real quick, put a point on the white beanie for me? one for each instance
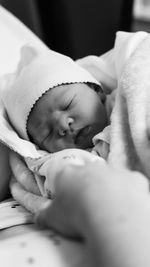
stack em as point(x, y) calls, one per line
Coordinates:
point(37, 72)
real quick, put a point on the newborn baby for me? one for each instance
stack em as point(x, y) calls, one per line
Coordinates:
point(54, 102)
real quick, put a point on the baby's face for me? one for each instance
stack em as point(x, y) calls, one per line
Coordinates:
point(67, 116)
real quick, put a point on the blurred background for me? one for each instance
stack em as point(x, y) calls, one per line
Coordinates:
point(81, 27)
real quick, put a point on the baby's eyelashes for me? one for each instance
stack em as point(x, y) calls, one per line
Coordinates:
point(69, 103)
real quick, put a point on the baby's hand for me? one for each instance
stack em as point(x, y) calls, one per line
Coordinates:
point(101, 149)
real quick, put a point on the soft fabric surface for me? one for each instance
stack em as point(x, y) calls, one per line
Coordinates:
point(130, 120)
point(126, 68)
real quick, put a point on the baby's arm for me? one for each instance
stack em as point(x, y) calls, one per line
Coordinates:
point(4, 171)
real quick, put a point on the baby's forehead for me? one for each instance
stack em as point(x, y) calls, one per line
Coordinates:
point(51, 96)
point(59, 94)
point(49, 101)
point(54, 94)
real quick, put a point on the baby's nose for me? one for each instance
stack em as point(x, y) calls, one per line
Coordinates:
point(62, 132)
point(64, 127)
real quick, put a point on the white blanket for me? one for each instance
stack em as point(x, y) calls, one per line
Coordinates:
point(126, 68)
point(130, 120)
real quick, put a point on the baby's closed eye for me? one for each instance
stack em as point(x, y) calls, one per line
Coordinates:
point(69, 103)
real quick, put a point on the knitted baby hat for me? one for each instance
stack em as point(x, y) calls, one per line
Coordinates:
point(37, 72)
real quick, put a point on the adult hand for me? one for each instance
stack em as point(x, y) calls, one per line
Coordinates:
point(23, 185)
point(109, 209)
point(24, 188)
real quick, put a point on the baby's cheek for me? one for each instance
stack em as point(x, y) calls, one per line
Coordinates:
point(60, 144)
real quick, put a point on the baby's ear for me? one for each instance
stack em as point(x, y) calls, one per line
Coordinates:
point(28, 54)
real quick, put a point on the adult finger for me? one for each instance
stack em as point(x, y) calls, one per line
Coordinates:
point(53, 215)
point(30, 201)
point(22, 174)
